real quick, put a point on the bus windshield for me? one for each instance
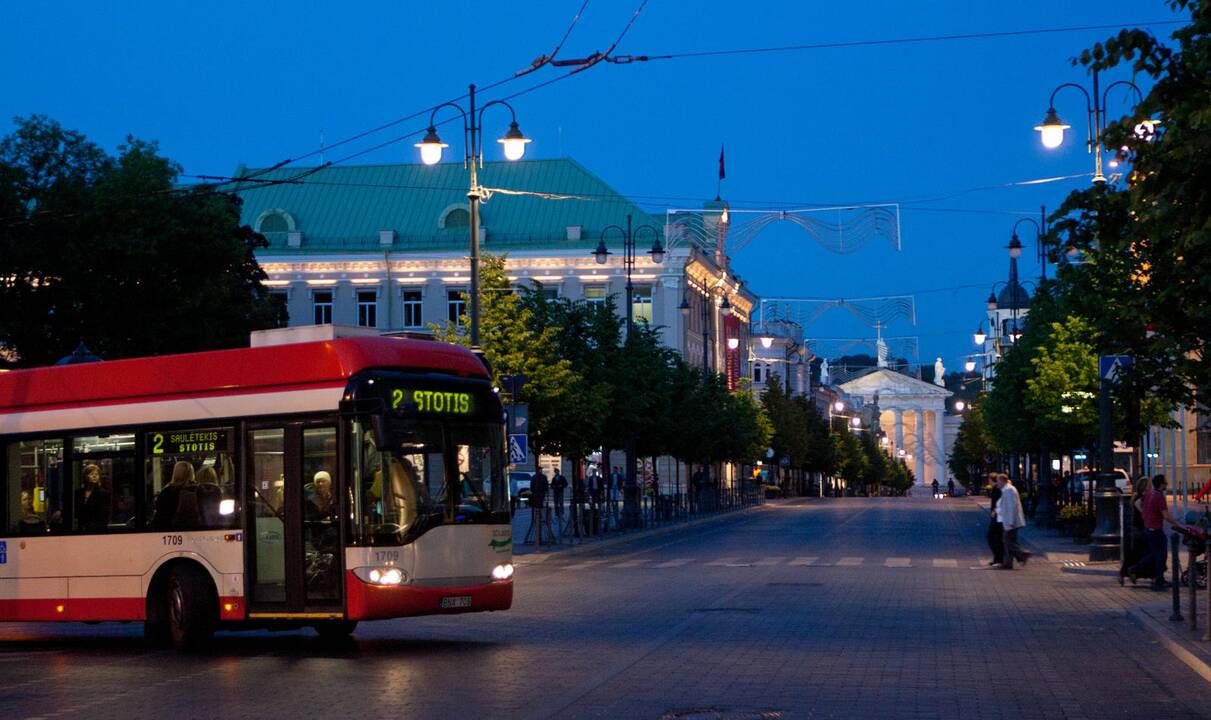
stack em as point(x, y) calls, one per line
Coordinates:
point(428, 473)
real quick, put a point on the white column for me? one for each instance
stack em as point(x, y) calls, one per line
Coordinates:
point(920, 451)
point(899, 429)
point(939, 431)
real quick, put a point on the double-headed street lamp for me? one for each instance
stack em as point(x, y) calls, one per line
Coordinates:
point(1040, 230)
point(514, 144)
point(630, 489)
point(1051, 130)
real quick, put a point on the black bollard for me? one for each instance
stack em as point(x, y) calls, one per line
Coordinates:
point(1174, 541)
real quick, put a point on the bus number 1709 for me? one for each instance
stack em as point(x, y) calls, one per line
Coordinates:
point(174, 540)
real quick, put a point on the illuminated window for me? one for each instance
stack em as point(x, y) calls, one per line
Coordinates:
point(322, 303)
point(367, 308)
point(641, 305)
point(595, 294)
point(412, 309)
point(456, 305)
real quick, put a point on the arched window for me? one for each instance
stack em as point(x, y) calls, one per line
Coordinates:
point(275, 221)
point(454, 216)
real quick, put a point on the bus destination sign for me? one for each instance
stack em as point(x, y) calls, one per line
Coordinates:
point(432, 402)
point(180, 442)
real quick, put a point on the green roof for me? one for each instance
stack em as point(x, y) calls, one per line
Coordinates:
point(343, 208)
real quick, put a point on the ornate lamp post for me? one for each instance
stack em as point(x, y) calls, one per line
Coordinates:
point(514, 144)
point(1051, 130)
point(630, 490)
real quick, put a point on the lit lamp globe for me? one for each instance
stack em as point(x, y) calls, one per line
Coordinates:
point(602, 253)
point(725, 307)
point(767, 342)
point(960, 406)
point(1051, 131)
point(857, 422)
point(969, 366)
point(514, 142)
point(733, 343)
point(431, 147)
point(657, 252)
point(979, 336)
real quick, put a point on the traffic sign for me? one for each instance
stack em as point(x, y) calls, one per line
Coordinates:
point(1109, 366)
point(519, 449)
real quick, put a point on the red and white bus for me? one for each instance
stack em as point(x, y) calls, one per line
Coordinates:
point(317, 483)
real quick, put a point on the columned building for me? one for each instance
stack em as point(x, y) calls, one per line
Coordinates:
point(386, 247)
point(912, 414)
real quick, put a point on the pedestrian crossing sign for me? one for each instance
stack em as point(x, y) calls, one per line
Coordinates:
point(519, 449)
point(1109, 366)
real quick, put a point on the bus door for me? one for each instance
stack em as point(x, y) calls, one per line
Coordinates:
point(294, 557)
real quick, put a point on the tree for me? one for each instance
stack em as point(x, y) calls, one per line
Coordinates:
point(971, 449)
point(1061, 394)
point(110, 250)
point(1169, 235)
point(513, 347)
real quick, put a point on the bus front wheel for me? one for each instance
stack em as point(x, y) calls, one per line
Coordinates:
point(189, 608)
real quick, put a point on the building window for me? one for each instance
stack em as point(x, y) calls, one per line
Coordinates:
point(322, 302)
point(367, 308)
point(279, 299)
point(641, 305)
point(757, 372)
point(595, 294)
point(412, 303)
point(456, 305)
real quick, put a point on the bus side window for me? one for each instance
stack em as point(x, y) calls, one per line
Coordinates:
point(33, 487)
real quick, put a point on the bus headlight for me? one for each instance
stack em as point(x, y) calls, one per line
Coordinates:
point(502, 572)
point(380, 575)
point(227, 507)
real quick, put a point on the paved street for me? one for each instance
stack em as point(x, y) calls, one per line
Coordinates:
point(820, 608)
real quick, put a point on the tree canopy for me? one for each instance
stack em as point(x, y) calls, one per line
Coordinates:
point(112, 251)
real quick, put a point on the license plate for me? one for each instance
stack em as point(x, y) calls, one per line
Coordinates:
point(456, 601)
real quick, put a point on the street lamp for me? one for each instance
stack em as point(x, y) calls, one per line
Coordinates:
point(514, 144)
point(725, 309)
point(630, 489)
point(960, 406)
point(979, 335)
point(1051, 130)
point(1040, 230)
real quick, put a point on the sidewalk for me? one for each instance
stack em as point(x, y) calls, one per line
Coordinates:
point(1150, 611)
point(573, 545)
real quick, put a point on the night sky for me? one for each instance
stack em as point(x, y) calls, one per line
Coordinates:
point(943, 128)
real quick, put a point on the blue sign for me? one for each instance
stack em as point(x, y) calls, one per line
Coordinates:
point(1109, 366)
point(3, 552)
point(519, 449)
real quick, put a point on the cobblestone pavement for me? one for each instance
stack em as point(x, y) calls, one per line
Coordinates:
point(855, 608)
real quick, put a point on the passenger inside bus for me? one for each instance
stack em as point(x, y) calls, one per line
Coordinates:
point(168, 502)
point(209, 497)
point(397, 503)
point(92, 500)
point(31, 523)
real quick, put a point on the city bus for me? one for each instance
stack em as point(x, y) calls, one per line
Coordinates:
point(300, 484)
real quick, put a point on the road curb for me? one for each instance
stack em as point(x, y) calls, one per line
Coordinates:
point(1161, 632)
point(641, 534)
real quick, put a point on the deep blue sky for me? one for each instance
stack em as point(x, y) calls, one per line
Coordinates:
point(222, 83)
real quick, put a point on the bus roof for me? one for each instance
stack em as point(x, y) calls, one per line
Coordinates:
point(219, 372)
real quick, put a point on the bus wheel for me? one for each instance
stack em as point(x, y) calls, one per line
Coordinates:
point(335, 629)
point(191, 607)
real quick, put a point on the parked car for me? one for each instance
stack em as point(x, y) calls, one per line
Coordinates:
point(1080, 483)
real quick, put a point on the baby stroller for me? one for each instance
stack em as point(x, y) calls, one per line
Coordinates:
point(1194, 536)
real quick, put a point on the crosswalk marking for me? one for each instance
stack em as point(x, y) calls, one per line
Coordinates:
point(724, 561)
point(630, 563)
point(850, 561)
point(766, 562)
point(897, 562)
point(945, 562)
point(584, 565)
point(675, 563)
point(810, 560)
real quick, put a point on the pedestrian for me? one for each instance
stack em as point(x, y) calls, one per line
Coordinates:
point(1155, 512)
point(559, 483)
point(950, 488)
point(616, 481)
point(1137, 545)
point(1009, 512)
point(996, 532)
point(936, 490)
point(538, 489)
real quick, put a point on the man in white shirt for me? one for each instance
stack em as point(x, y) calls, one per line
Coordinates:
point(1009, 512)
